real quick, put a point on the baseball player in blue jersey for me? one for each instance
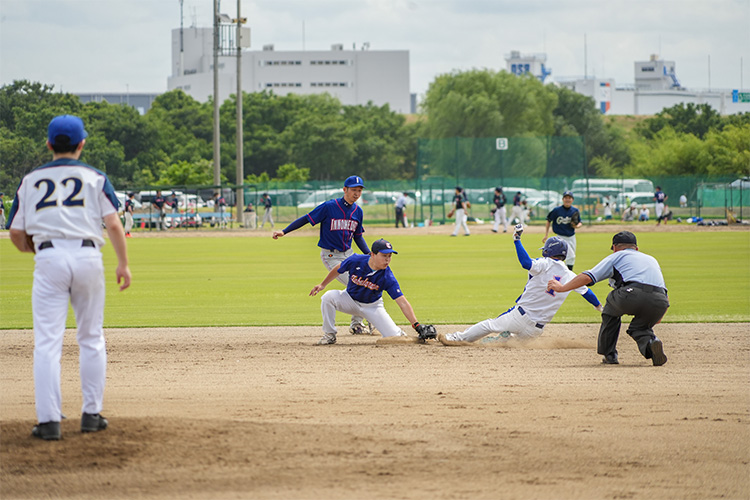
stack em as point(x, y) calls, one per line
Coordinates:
point(564, 220)
point(340, 223)
point(639, 290)
point(57, 214)
point(536, 306)
point(659, 198)
point(461, 205)
point(369, 277)
point(129, 209)
point(158, 203)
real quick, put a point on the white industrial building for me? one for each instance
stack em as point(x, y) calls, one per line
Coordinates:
point(355, 77)
point(656, 87)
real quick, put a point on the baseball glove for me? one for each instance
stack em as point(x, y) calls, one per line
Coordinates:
point(450, 214)
point(575, 219)
point(426, 332)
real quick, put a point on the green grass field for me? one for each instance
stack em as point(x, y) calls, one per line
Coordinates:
point(240, 281)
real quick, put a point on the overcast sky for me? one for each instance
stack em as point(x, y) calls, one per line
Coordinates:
point(125, 45)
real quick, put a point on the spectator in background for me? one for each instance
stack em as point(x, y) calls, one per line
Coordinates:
point(400, 205)
point(129, 208)
point(644, 214)
point(158, 203)
point(630, 213)
point(607, 212)
point(2, 211)
point(249, 217)
point(267, 214)
point(683, 200)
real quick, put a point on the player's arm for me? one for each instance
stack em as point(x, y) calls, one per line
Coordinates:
point(332, 274)
point(408, 311)
point(362, 244)
point(546, 230)
point(296, 224)
point(21, 240)
point(577, 282)
point(523, 256)
point(117, 238)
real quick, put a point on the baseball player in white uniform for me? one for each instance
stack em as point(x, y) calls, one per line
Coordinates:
point(57, 214)
point(536, 306)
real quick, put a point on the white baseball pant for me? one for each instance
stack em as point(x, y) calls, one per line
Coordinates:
point(65, 272)
point(128, 222)
point(331, 258)
point(518, 213)
point(461, 218)
point(267, 217)
point(570, 258)
point(500, 219)
point(659, 209)
point(510, 321)
point(375, 313)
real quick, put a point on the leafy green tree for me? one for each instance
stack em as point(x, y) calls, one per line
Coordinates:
point(690, 118)
point(290, 173)
point(184, 173)
point(486, 103)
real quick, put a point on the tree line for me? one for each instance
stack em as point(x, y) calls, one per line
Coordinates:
point(301, 137)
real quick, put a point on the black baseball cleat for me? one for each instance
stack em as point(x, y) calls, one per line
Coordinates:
point(49, 431)
point(610, 359)
point(657, 352)
point(93, 422)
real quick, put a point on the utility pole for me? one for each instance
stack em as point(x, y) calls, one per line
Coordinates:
point(217, 137)
point(240, 195)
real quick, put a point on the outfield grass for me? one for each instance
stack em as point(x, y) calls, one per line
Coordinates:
point(258, 281)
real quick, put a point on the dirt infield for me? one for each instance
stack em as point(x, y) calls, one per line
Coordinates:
point(263, 413)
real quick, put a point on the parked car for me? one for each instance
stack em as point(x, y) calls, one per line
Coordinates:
point(317, 197)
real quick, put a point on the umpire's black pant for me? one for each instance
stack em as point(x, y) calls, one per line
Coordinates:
point(647, 304)
point(400, 216)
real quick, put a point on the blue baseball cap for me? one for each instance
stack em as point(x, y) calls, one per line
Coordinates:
point(353, 181)
point(67, 125)
point(568, 193)
point(382, 246)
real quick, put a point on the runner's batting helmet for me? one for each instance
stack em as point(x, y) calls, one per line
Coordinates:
point(555, 247)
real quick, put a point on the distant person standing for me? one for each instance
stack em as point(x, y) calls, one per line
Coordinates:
point(2, 211)
point(659, 198)
point(460, 205)
point(268, 213)
point(639, 291)
point(665, 216)
point(683, 200)
point(607, 212)
point(499, 211)
point(129, 209)
point(400, 206)
point(57, 214)
point(517, 213)
point(564, 220)
point(158, 203)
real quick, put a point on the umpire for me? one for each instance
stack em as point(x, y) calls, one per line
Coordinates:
point(639, 290)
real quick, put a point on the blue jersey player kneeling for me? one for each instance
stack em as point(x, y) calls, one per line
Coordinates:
point(536, 306)
point(369, 276)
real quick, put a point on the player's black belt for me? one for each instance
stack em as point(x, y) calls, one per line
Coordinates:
point(646, 288)
point(520, 309)
point(48, 244)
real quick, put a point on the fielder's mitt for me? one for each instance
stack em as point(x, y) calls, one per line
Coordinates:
point(426, 332)
point(575, 219)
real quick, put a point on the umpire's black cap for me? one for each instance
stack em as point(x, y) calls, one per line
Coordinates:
point(623, 237)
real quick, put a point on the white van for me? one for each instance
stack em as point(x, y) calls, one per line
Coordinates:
point(611, 187)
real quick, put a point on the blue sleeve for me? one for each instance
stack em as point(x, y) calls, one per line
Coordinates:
point(591, 298)
point(523, 257)
point(296, 224)
point(362, 244)
point(318, 214)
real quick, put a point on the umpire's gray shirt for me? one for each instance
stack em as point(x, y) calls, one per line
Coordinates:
point(628, 265)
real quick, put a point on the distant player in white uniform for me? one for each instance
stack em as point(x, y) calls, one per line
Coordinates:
point(368, 277)
point(57, 213)
point(536, 306)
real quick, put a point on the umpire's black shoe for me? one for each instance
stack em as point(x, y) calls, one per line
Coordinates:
point(49, 431)
point(93, 422)
point(610, 359)
point(657, 352)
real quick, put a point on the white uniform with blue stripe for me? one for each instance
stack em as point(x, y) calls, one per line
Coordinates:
point(62, 204)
